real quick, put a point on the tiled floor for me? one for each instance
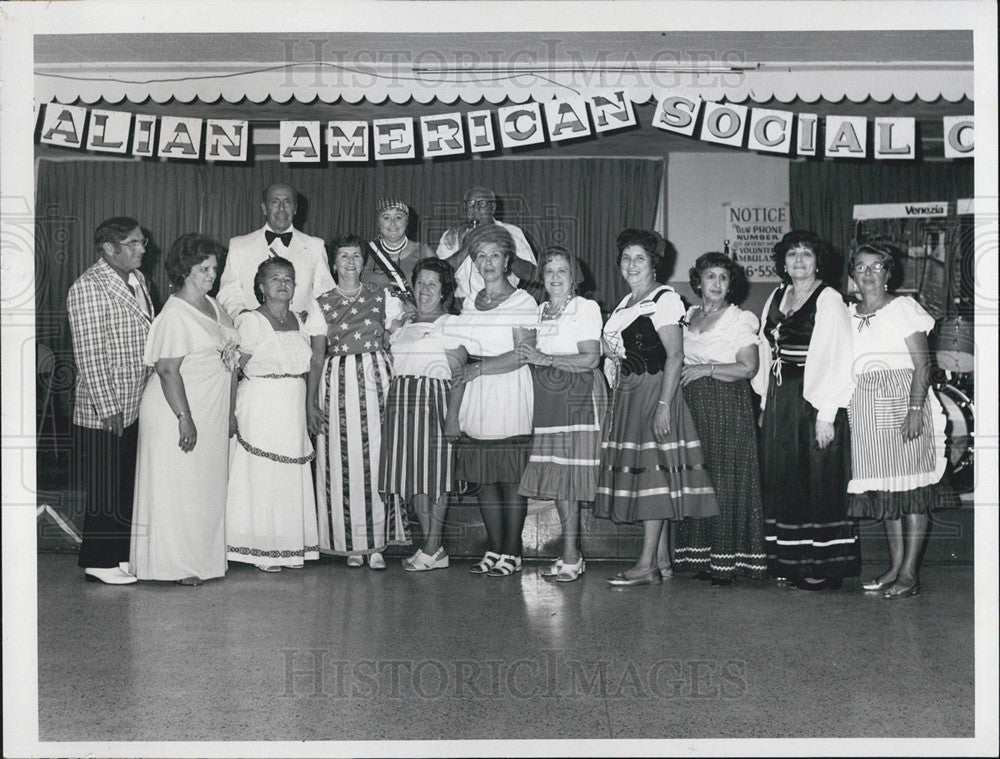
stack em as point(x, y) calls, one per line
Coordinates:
point(329, 653)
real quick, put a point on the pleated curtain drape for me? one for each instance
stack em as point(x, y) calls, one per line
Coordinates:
point(580, 204)
point(823, 193)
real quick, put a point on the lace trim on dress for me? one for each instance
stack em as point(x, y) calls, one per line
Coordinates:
point(274, 456)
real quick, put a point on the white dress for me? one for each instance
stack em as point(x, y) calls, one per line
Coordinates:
point(271, 505)
point(178, 524)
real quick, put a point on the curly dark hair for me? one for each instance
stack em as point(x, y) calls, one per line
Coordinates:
point(825, 255)
point(713, 259)
point(889, 255)
point(648, 241)
point(349, 240)
point(485, 234)
point(445, 275)
point(274, 262)
point(187, 252)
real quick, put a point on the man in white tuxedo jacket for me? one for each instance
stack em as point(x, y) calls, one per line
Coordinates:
point(277, 238)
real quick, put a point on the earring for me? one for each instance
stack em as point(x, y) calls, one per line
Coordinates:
point(886, 287)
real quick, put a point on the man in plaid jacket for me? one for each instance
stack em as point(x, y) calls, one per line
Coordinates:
point(110, 312)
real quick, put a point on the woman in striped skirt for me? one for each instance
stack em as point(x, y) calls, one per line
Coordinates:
point(346, 393)
point(652, 470)
point(804, 381)
point(897, 424)
point(570, 400)
point(720, 356)
point(415, 464)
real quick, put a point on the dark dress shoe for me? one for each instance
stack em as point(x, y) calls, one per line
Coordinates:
point(720, 582)
point(705, 576)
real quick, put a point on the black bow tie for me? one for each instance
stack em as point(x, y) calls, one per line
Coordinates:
point(286, 237)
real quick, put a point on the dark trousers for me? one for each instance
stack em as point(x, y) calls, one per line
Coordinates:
point(104, 469)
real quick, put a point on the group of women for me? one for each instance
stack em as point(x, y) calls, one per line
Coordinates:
point(330, 442)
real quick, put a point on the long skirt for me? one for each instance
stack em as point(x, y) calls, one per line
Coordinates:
point(806, 527)
point(353, 516)
point(565, 454)
point(733, 543)
point(641, 478)
point(891, 476)
point(415, 457)
point(270, 504)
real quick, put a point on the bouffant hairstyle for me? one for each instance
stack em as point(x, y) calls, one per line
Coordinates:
point(349, 240)
point(649, 242)
point(714, 259)
point(805, 239)
point(188, 251)
point(445, 275)
point(113, 230)
point(485, 234)
point(274, 262)
point(888, 255)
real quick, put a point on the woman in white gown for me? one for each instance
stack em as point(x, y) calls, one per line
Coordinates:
point(271, 506)
point(178, 530)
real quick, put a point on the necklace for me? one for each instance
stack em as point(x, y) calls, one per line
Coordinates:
point(795, 301)
point(487, 298)
point(352, 294)
point(282, 320)
point(637, 299)
point(708, 311)
point(554, 312)
point(390, 250)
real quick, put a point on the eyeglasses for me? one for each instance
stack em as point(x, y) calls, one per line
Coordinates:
point(875, 268)
point(135, 243)
point(480, 203)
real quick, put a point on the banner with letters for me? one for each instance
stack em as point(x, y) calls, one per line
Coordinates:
point(482, 131)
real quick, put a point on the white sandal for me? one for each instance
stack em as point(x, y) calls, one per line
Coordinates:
point(506, 566)
point(553, 569)
point(485, 564)
point(570, 572)
point(424, 562)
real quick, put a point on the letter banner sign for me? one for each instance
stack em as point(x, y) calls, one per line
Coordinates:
point(900, 210)
point(752, 230)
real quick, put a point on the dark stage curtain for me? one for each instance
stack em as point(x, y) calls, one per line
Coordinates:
point(823, 193)
point(580, 204)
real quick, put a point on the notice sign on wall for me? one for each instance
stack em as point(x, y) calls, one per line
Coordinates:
point(751, 233)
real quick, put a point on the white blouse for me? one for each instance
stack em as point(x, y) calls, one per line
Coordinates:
point(826, 383)
point(418, 349)
point(272, 351)
point(580, 322)
point(880, 338)
point(735, 329)
point(496, 405)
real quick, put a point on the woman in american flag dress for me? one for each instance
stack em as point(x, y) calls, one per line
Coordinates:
point(348, 382)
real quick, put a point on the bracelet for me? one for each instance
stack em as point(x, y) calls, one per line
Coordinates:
point(663, 403)
point(711, 370)
point(182, 414)
point(916, 408)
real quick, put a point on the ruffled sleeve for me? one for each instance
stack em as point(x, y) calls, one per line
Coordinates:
point(826, 383)
point(910, 317)
point(669, 310)
point(250, 325)
point(745, 331)
point(171, 335)
point(763, 376)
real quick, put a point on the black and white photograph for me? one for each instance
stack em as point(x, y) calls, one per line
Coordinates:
point(499, 378)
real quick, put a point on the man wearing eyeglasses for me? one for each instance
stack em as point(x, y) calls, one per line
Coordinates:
point(480, 205)
point(109, 316)
point(277, 238)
